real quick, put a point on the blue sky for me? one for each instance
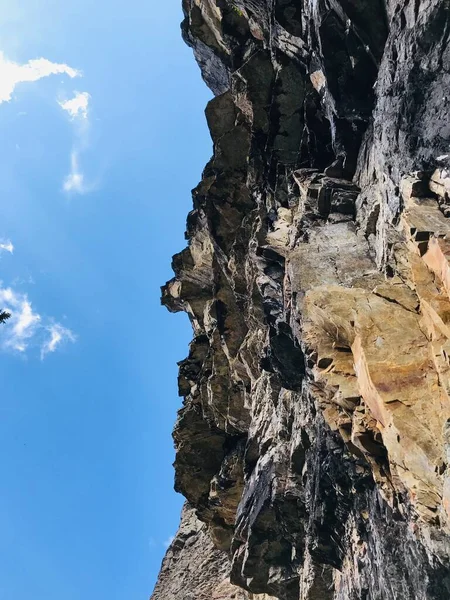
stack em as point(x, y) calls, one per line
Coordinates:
point(88, 361)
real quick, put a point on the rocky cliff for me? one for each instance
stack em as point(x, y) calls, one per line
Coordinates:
point(313, 444)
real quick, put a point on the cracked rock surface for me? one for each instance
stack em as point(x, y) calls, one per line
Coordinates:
point(313, 445)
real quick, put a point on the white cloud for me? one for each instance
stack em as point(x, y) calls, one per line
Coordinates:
point(77, 107)
point(12, 73)
point(27, 328)
point(23, 323)
point(26, 321)
point(7, 246)
point(58, 335)
point(74, 182)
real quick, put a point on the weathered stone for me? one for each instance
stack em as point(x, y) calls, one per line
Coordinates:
point(194, 569)
point(314, 438)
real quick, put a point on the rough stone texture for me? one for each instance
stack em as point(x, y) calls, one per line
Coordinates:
point(314, 438)
point(193, 569)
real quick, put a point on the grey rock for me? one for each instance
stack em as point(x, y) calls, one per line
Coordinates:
point(312, 444)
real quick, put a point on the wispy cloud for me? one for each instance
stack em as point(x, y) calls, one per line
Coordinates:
point(12, 73)
point(23, 323)
point(6, 246)
point(58, 335)
point(78, 110)
point(74, 182)
point(77, 106)
point(27, 328)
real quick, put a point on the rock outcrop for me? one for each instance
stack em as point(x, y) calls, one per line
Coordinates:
point(193, 569)
point(313, 444)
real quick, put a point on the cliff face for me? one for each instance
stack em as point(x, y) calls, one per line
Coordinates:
point(314, 439)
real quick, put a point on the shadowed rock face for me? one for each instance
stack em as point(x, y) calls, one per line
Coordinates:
point(193, 569)
point(313, 444)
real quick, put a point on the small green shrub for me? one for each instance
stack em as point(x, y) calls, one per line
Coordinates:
point(237, 10)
